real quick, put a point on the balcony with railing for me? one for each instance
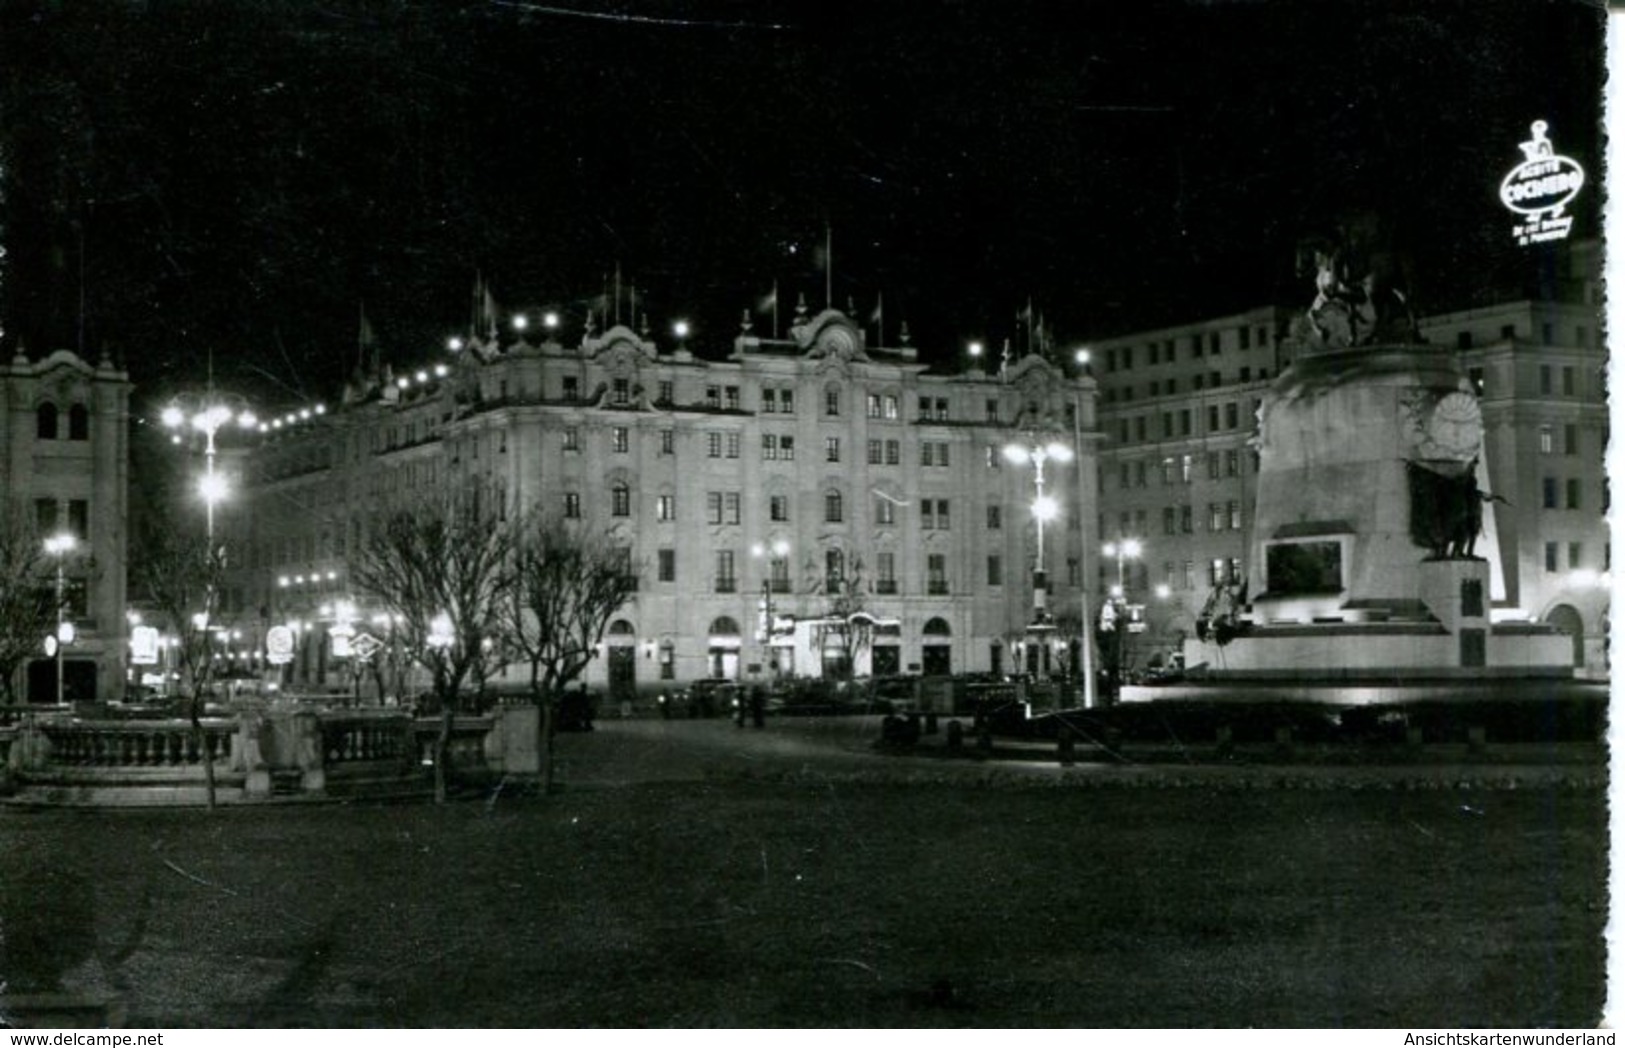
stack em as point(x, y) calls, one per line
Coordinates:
point(726, 584)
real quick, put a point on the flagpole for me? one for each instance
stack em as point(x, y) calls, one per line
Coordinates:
point(775, 308)
point(829, 267)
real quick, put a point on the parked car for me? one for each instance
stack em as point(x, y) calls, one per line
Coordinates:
point(900, 694)
point(705, 698)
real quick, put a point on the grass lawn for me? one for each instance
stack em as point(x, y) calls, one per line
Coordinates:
point(746, 903)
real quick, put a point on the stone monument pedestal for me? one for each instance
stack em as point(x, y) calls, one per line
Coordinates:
point(1363, 581)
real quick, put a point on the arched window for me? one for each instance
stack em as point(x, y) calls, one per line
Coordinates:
point(78, 422)
point(723, 626)
point(937, 627)
point(46, 424)
point(621, 628)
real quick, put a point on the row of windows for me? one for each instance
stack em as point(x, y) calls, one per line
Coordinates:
point(835, 577)
point(1221, 516)
point(1576, 555)
point(54, 516)
point(781, 400)
point(1167, 387)
point(1181, 423)
point(48, 422)
point(780, 447)
point(1212, 343)
point(1570, 490)
point(775, 446)
point(724, 507)
point(1180, 469)
point(1571, 439)
point(1548, 335)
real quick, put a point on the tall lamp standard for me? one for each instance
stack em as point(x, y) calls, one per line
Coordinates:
point(1045, 508)
point(780, 549)
point(1086, 643)
point(59, 546)
point(1122, 550)
point(208, 415)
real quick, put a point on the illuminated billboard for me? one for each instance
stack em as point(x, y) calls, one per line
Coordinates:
point(1538, 189)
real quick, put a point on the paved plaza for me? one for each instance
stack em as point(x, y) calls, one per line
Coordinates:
point(698, 874)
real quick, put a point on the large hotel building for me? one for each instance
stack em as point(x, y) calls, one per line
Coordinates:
point(765, 487)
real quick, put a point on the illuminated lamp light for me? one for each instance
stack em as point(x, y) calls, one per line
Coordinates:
point(550, 320)
point(520, 322)
point(213, 487)
point(454, 344)
point(422, 376)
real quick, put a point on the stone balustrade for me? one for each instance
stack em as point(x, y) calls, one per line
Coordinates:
point(149, 744)
point(256, 753)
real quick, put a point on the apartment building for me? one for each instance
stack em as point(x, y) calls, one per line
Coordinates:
point(64, 454)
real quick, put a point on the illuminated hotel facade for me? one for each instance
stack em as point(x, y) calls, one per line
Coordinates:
point(793, 470)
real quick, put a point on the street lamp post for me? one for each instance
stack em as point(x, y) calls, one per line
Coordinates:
point(780, 549)
point(1086, 642)
point(207, 415)
point(1044, 509)
point(1122, 550)
point(59, 546)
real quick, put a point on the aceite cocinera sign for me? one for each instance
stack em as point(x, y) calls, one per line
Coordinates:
point(1540, 188)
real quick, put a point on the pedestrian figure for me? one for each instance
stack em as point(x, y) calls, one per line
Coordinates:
point(758, 705)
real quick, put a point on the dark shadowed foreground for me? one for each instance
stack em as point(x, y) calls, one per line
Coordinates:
point(808, 900)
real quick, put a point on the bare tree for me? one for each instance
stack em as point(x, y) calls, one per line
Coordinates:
point(567, 584)
point(27, 602)
point(444, 567)
point(178, 572)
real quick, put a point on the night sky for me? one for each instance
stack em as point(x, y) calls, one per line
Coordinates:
point(242, 177)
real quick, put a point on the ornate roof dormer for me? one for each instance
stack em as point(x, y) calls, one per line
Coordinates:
point(831, 335)
point(619, 347)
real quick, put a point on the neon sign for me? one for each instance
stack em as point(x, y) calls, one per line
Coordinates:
point(1540, 188)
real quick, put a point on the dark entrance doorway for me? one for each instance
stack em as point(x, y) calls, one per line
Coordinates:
point(886, 660)
point(623, 660)
point(936, 653)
